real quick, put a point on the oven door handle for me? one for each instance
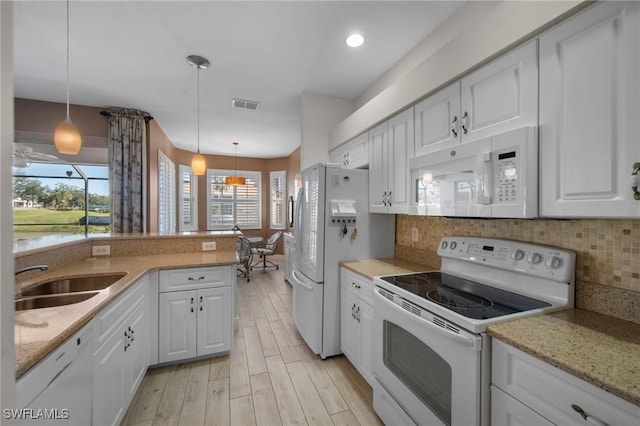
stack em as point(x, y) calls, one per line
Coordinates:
point(459, 338)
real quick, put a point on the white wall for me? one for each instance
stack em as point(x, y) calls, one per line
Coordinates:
point(319, 114)
point(451, 28)
point(501, 27)
point(7, 286)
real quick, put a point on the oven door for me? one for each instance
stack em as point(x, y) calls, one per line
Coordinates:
point(432, 371)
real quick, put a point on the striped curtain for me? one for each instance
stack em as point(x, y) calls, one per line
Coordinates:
point(127, 140)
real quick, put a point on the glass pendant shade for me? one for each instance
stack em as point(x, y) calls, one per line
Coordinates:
point(67, 138)
point(235, 180)
point(198, 164)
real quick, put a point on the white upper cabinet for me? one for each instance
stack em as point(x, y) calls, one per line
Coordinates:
point(590, 114)
point(437, 120)
point(391, 144)
point(499, 97)
point(353, 154)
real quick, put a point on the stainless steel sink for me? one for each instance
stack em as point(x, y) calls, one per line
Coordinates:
point(72, 285)
point(52, 300)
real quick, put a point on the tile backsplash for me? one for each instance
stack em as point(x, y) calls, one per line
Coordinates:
point(607, 251)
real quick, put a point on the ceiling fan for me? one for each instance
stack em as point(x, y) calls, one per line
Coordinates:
point(24, 155)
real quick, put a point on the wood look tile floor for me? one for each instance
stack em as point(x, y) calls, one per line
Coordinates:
point(270, 377)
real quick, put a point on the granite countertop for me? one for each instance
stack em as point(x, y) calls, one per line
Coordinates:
point(39, 331)
point(599, 349)
point(375, 267)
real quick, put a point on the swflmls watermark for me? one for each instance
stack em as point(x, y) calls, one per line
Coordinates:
point(35, 413)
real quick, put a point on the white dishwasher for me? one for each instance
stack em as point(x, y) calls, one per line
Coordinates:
point(59, 389)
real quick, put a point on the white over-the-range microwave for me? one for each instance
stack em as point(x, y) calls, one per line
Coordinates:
point(496, 177)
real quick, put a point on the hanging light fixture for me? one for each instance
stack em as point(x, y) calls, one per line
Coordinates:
point(198, 163)
point(67, 138)
point(235, 179)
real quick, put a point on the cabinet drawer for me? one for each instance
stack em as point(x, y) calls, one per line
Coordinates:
point(193, 278)
point(552, 392)
point(110, 318)
point(357, 284)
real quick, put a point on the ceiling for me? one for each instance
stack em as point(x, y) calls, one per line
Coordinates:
point(133, 54)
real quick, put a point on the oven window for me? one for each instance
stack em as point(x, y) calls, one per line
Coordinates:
point(421, 370)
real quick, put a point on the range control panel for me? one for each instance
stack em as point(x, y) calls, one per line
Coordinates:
point(532, 259)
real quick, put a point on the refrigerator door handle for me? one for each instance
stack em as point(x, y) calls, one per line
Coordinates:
point(298, 229)
point(297, 279)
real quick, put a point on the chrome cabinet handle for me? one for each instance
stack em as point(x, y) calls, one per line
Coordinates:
point(355, 285)
point(201, 304)
point(384, 198)
point(635, 181)
point(454, 126)
point(465, 116)
point(196, 279)
point(389, 199)
point(353, 308)
point(191, 304)
point(586, 417)
point(358, 314)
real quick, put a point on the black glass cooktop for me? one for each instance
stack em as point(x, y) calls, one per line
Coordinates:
point(467, 298)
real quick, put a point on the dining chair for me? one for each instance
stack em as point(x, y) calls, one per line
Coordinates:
point(266, 249)
point(243, 248)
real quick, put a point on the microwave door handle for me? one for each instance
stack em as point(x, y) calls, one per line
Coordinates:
point(485, 181)
point(459, 338)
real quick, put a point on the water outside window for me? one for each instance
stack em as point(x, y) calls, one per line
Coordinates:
point(51, 199)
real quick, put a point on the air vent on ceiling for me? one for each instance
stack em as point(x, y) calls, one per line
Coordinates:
point(245, 104)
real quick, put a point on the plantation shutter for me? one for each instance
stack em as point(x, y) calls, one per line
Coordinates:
point(188, 207)
point(278, 197)
point(231, 205)
point(166, 194)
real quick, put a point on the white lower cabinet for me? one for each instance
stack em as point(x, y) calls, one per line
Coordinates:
point(356, 320)
point(526, 390)
point(121, 360)
point(196, 316)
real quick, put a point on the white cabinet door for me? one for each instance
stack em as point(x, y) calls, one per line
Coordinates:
point(109, 381)
point(508, 411)
point(357, 152)
point(500, 96)
point(177, 325)
point(589, 109)
point(377, 169)
point(366, 341)
point(137, 351)
point(214, 320)
point(337, 155)
point(349, 333)
point(400, 149)
point(437, 121)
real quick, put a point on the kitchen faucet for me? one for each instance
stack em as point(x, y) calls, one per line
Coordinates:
point(32, 268)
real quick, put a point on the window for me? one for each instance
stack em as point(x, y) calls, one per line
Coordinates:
point(188, 196)
point(278, 194)
point(229, 205)
point(54, 199)
point(166, 194)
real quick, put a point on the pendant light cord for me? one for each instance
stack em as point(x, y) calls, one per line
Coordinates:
point(198, 102)
point(68, 118)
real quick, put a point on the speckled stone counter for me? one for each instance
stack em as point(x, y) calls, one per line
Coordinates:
point(39, 331)
point(375, 267)
point(599, 349)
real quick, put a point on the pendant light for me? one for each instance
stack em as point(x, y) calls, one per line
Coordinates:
point(67, 138)
point(235, 180)
point(198, 163)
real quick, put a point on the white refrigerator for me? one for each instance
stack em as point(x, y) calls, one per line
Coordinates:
point(332, 224)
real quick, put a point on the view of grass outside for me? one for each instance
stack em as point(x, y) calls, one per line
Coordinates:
point(58, 199)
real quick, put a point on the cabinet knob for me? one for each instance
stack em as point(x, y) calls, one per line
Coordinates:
point(465, 116)
point(635, 181)
point(586, 417)
point(454, 126)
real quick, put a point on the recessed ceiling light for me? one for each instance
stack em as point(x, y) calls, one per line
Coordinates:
point(354, 40)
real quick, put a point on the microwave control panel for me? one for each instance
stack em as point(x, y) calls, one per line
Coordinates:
point(506, 176)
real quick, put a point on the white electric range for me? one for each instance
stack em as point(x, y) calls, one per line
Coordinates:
point(431, 353)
